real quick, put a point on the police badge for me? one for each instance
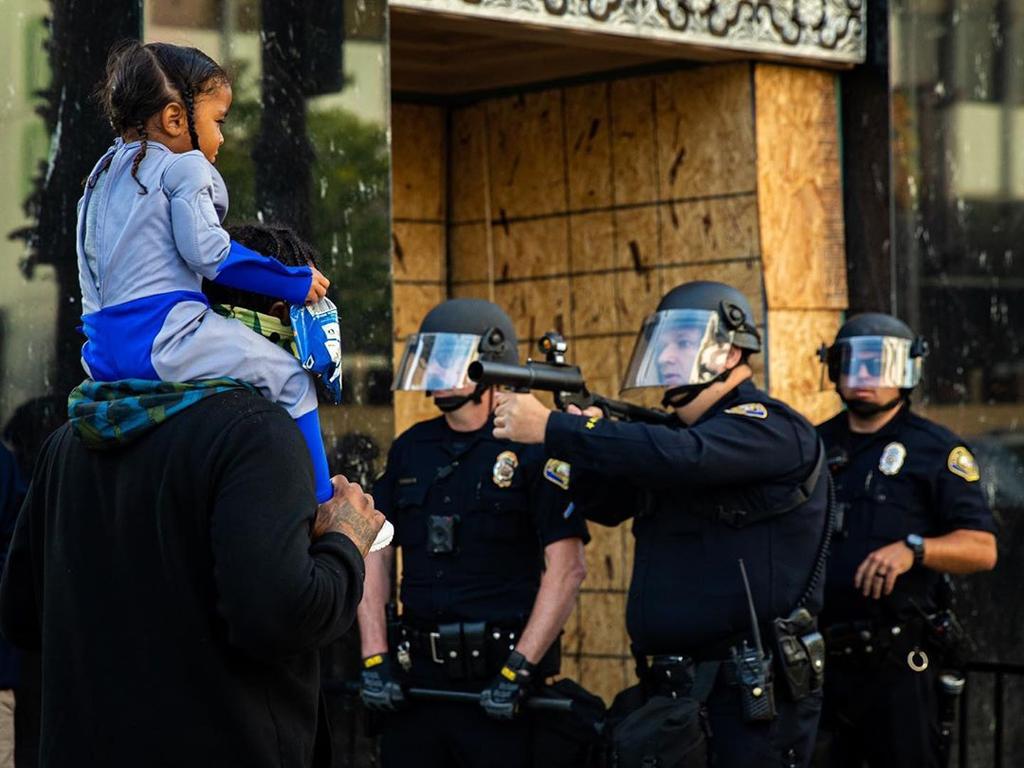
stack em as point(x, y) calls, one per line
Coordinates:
point(892, 459)
point(504, 469)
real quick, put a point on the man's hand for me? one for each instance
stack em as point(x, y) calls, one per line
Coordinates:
point(877, 575)
point(351, 512)
point(379, 690)
point(317, 288)
point(500, 700)
point(593, 412)
point(521, 418)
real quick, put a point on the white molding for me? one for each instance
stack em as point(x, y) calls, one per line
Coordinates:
point(827, 31)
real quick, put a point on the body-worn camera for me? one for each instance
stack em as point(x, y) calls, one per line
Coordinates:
point(441, 534)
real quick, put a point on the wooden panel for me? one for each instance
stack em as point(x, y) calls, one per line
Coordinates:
point(799, 188)
point(531, 248)
point(705, 132)
point(633, 144)
point(535, 306)
point(467, 252)
point(600, 362)
point(709, 230)
point(637, 255)
point(592, 245)
point(526, 154)
point(605, 677)
point(411, 303)
point(418, 162)
point(795, 373)
point(468, 174)
point(593, 304)
point(588, 146)
point(603, 629)
point(604, 556)
point(418, 251)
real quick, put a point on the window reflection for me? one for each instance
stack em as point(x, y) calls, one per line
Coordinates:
point(957, 80)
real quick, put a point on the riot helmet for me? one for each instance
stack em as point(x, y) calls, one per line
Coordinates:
point(873, 351)
point(452, 335)
point(683, 347)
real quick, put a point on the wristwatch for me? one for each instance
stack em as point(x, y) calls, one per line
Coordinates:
point(916, 544)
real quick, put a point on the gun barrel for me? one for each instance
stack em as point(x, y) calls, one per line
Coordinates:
point(549, 378)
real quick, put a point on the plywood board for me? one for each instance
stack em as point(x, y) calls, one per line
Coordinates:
point(799, 189)
point(795, 374)
point(634, 169)
point(705, 133)
point(709, 230)
point(588, 146)
point(526, 154)
point(418, 162)
point(417, 251)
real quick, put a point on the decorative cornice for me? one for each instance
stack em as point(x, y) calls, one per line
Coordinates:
point(829, 31)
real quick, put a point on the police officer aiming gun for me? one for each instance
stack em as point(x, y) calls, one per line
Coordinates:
point(912, 510)
point(736, 475)
point(492, 560)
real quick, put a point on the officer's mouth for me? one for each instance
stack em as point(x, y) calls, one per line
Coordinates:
point(862, 393)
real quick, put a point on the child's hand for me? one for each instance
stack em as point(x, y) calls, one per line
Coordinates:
point(318, 288)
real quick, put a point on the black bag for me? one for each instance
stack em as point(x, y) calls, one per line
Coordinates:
point(663, 732)
point(569, 739)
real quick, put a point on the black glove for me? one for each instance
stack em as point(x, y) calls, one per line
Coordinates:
point(501, 698)
point(379, 690)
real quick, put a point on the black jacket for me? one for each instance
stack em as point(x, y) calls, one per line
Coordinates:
point(694, 495)
point(176, 595)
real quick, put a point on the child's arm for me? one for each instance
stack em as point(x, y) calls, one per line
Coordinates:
point(207, 248)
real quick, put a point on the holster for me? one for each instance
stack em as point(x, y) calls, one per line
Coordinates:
point(800, 651)
point(474, 637)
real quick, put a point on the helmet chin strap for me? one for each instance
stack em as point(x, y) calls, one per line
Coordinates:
point(677, 397)
point(454, 402)
point(861, 408)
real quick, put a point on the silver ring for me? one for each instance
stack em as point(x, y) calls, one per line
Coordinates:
point(920, 664)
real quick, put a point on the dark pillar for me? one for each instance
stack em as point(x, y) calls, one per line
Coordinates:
point(866, 178)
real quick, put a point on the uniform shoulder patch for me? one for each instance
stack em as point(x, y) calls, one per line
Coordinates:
point(753, 410)
point(557, 472)
point(962, 464)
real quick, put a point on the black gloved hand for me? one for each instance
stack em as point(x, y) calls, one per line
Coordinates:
point(379, 690)
point(502, 697)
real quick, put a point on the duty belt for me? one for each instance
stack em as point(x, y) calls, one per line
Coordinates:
point(862, 640)
point(465, 650)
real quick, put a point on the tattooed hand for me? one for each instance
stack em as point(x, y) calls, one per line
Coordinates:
point(350, 512)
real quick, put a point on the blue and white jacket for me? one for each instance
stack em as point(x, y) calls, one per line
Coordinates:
point(142, 258)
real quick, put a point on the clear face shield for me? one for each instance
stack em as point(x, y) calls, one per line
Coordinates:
point(434, 362)
point(678, 348)
point(872, 362)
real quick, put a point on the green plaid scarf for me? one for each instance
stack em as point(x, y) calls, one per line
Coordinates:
point(110, 414)
point(267, 326)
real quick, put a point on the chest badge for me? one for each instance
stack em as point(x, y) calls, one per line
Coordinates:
point(753, 410)
point(504, 468)
point(962, 464)
point(892, 459)
point(557, 472)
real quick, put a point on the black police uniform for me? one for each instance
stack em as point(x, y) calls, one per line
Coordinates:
point(503, 503)
point(694, 494)
point(911, 476)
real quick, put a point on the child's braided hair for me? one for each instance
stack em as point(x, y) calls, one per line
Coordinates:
point(142, 79)
point(278, 242)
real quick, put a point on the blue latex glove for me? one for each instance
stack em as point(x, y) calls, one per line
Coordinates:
point(318, 338)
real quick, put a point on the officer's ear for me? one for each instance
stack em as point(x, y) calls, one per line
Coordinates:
point(735, 358)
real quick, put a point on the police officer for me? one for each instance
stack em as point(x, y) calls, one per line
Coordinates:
point(737, 475)
point(492, 560)
point(912, 510)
